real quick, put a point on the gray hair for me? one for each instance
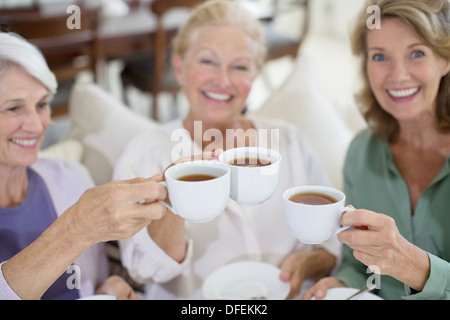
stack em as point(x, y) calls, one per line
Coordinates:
point(16, 50)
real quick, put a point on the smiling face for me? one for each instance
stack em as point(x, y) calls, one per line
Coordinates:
point(403, 72)
point(24, 117)
point(217, 73)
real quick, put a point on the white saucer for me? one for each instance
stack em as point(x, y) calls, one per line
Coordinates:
point(344, 293)
point(244, 281)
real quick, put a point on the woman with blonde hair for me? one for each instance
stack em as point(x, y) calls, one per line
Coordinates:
point(217, 55)
point(398, 169)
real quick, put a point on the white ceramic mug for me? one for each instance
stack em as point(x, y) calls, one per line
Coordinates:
point(252, 185)
point(198, 201)
point(314, 223)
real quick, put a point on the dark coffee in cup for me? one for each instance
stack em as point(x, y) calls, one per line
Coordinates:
point(197, 177)
point(312, 198)
point(249, 162)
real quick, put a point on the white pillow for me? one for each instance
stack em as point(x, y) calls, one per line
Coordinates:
point(66, 149)
point(300, 101)
point(104, 126)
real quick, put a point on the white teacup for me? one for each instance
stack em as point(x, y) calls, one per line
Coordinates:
point(252, 184)
point(314, 223)
point(198, 201)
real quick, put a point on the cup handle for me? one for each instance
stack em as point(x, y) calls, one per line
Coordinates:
point(168, 206)
point(165, 204)
point(340, 229)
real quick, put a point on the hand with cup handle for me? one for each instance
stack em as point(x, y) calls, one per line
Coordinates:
point(207, 155)
point(379, 243)
point(107, 212)
point(383, 245)
point(169, 232)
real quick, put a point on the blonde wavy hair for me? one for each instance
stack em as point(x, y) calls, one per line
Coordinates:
point(431, 21)
point(221, 12)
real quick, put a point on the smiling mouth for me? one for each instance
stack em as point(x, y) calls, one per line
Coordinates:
point(218, 96)
point(24, 142)
point(403, 93)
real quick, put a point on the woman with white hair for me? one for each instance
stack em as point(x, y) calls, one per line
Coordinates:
point(52, 220)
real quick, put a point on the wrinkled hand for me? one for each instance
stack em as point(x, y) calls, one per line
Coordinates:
point(302, 265)
point(118, 287)
point(293, 271)
point(382, 245)
point(115, 210)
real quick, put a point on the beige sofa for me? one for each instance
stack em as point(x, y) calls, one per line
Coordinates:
point(101, 126)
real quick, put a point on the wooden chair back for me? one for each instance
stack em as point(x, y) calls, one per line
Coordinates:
point(69, 42)
point(163, 39)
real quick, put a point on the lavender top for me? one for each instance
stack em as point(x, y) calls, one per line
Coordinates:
point(22, 224)
point(54, 186)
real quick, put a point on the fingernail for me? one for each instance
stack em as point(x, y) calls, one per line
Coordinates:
point(284, 277)
point(319, 294)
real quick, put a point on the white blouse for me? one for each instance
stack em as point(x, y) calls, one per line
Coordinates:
point(256, 232)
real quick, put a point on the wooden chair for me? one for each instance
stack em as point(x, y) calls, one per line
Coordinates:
point(280, 44)
point(133, 4)
point(67, 51)
point(153, 73)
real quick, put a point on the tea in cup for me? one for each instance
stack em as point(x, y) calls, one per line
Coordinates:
point(313, 213)
point(199, 190)
point(254, 173)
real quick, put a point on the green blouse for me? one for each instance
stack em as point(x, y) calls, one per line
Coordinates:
point(372, 181)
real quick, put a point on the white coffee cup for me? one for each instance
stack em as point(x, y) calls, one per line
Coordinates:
point(314, 223)
point(254, 184)
point(198, 201)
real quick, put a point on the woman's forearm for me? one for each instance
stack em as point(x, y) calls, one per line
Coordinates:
point(414, 272)
point(169, 234)
point(33, 270)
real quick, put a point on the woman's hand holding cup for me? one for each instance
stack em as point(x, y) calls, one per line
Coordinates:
point(115, 211)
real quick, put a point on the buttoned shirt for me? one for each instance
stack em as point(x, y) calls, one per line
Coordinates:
point(372, 181)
